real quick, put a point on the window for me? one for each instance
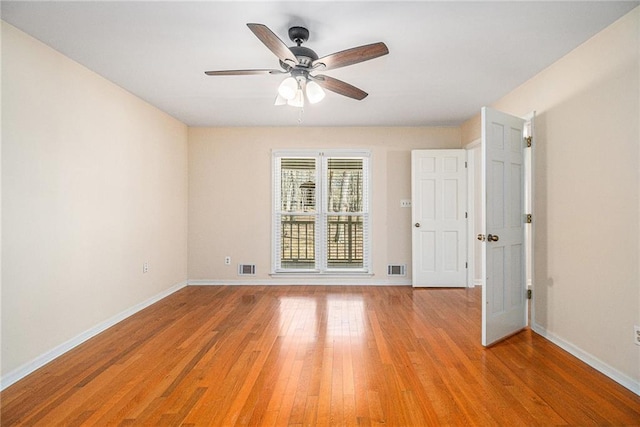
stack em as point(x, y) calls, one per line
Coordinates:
point(321, 211)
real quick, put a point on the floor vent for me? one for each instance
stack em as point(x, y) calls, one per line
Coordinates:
point(246, 269)
point(396, 270)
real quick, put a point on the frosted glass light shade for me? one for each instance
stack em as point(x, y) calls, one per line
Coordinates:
point(280, 100)
point(298, 100)
point(314, 92)
point(288, 88)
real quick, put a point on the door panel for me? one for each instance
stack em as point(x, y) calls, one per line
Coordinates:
point(439, 197)
point(503, 298)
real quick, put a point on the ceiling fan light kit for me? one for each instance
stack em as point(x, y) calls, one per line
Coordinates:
point(290, 92)
point(299, 61)
point(288, 88)
point(315, 93)
point(297, 101)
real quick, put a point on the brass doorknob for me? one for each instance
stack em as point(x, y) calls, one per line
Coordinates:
point(481, 237)
point(493, 238)
point(417, 224)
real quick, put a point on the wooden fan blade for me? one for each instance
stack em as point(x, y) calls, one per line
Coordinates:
point(243, 72)
point(274, 44)
point(351, 56)
point(340, 87)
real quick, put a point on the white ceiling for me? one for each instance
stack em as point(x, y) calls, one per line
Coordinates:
point(446, 60)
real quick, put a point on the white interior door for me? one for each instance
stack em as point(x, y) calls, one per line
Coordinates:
point(439, 199)
point(504, 310)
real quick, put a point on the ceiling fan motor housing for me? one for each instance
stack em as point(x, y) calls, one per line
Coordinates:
point(305, 56)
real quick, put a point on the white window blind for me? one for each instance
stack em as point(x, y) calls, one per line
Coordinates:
point(321, 211)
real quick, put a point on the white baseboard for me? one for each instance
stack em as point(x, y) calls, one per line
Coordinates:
point(24, 370)
point(594, 362)
point(305, 281)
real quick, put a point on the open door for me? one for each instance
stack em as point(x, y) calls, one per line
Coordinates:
point(504, 308)
point(439, 201)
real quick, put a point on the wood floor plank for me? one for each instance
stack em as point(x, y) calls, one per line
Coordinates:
point(315, 355)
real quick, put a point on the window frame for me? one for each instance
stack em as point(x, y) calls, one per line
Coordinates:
point(322, 212)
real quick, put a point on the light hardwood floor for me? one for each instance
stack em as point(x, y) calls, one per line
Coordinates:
point(315, 355)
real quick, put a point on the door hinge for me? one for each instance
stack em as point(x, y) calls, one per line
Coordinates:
point(528, 140)
point(465, 165)
point(528, 219)
point(529, 292)
point(466, 265)
point(466, 215)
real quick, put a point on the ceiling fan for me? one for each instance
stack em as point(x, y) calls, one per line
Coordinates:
point(299, 62)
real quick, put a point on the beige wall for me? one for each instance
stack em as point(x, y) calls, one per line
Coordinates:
point(230, 192)
point(94, 183)
point(587, 195)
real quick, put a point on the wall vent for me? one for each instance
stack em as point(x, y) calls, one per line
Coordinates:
point(246, 269)
point(396, 270)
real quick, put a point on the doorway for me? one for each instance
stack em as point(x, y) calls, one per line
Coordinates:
point(498, 211)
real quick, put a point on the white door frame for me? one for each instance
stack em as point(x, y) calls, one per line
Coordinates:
point(475, 277)
point(529, 157)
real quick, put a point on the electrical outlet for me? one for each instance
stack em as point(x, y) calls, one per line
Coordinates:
point(145, 267)
point(405, 203)
point(227, 260)
point(636, 337)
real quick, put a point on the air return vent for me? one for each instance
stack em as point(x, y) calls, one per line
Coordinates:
point(396, 270)
point(246, 270)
